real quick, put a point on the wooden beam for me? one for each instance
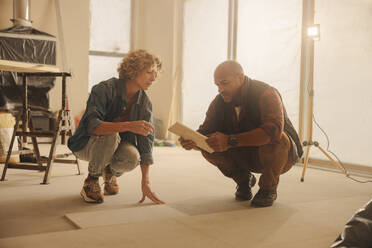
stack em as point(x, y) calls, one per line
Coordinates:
point(22, 67)
point(26, 166)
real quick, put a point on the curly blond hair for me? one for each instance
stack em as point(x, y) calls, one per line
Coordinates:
point(136, 61)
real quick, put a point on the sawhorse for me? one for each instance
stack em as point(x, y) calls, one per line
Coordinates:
point(62, 127)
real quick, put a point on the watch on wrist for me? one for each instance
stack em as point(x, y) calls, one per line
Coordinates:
point(233, 140)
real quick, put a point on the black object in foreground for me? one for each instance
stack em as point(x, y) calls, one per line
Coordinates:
point(358, 230)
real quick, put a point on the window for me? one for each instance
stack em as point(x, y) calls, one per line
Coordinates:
point(110, 26)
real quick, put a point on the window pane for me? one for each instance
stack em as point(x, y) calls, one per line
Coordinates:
point(102, 68)
point(205, 46)
point(269, 46)
point(110, 25)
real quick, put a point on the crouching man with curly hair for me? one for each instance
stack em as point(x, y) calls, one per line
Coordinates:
point(116, 133)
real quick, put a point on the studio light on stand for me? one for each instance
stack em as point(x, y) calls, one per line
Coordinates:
point(313, 34)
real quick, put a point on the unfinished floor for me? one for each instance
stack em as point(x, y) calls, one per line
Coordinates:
point(200, 209)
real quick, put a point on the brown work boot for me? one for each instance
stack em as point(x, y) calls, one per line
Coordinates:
point(243, 190)
point(264, 198)
point(111, 186)
point(91, 191)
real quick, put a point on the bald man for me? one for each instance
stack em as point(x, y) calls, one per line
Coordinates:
point(249, 130)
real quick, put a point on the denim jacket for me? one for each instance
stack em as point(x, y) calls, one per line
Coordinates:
point(106, 102)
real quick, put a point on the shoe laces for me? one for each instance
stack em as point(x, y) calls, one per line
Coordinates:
point(95, 186)
point(109, 181)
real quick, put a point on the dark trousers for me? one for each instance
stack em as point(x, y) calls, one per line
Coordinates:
point(270, 160)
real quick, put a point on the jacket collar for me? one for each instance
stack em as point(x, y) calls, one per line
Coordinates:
point(242, 92)
point(120, 86)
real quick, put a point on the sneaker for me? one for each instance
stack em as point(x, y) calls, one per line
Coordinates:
point(111, 185)
point(243, 190)
point(91, 191)
point(264, 198)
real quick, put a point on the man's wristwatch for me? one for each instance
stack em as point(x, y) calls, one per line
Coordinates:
point(233, 140)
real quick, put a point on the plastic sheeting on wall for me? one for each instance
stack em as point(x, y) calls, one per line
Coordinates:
point(342, 78)
point(205, 46)
point(269, 46)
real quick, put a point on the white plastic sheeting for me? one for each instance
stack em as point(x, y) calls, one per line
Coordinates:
point(269, 46)
point(269, 49)
point(343, 79)
point(205, 46)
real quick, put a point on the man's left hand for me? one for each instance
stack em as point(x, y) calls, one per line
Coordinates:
point(146, 192)
point(218, 142)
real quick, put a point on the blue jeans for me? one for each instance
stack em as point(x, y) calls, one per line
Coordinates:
point(102, 150)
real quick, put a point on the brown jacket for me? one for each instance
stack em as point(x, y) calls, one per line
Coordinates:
point(261, 107)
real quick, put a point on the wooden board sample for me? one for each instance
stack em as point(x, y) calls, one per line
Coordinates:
point(15, 66)
point(187, 133)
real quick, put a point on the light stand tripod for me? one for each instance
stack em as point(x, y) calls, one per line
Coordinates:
point(314, 34)
point(316, 144)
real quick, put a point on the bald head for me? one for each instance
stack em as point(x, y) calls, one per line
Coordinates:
point(229, 77)
point(229, 68)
